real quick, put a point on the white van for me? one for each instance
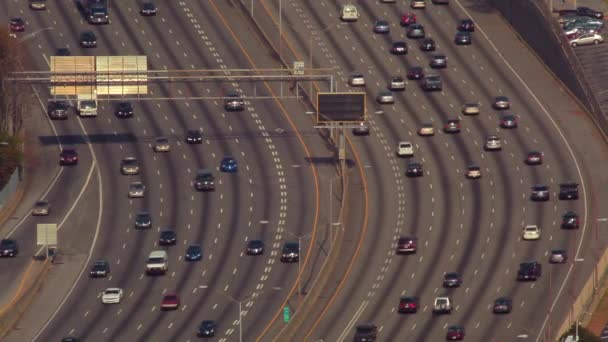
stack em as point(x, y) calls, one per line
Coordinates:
point(157, 263)
point(349, 13)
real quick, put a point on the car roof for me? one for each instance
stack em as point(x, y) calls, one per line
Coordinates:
point(158, 254)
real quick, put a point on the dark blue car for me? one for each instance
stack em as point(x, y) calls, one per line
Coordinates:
point(194, 253)
point(228, 164)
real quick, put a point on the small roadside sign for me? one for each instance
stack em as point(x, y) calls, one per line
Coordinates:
point(298, 68)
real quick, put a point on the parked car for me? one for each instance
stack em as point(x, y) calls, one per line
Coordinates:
point(587, 39)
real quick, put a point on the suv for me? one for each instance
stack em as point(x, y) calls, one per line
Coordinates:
point(58, 110)
point(405, 149)
point(442, 305)
point(366, 332)
point(530, 270)
point(540, 192)
point(204, 181)
point(406, 245)
point(100, 269)
point(568, 191)
point(234, 102)
point(349, 13)
point(157, 263)
point(9, 247)
point(431, 82)
point(414, 169)
point(291, 252)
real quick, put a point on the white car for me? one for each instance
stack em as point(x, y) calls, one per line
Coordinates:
point(426, 130)
point(111, 295)
point(396, 83)
point(470, 108)
point(405, 149)
point(41, 208)
point(418, 4)
point(161, 144)
point(587, 39)
point(356, 79)
point(531, 232)
point(349, 13)
point(385, 97)
point(137, 190)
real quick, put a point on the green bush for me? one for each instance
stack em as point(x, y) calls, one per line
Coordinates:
point(10, 158)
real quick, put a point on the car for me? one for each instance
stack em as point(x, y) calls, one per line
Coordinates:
point(194, 253)
point(58, 110)
point(408, 304)
point(143, 220)
point(508, 121)
point(466, 25)
point(234, 102)
point(361, 129)
point(591, 26)
point(88, 39)
point(228, 164)
point(405, 149)
point(531, 232)
point(586, 11)
point(587, 39)
point(426, 129)
point(356, 79)
point(9, 247)
point(137, 190)
point(415, 31)
point(291, 252)
point(493, 143)
point(502, 305)
point(129, 166)
point(388, 1)
point(418, 4)
point(540, 192)
point(124, 110)
point(381, 26)
point(161, 144)
point(406, 245)
point(206, 329)
point(38, 5)
point(570, 220)
point(414, 169)
point(349, 13)
point(565, 18)
point(385, 97)
point(415, 73)
point(157, 263)
point(427, 44)
point(473, 172)
point(455, 333)
point(452, 126)
point(462, 38)
point(501, 102)
point(452, 279)
point(366, 332)
point(63, 52)
point(534, 158)
point(41, 208)
point(407, 19)
point(558, 256)
point(255, 247)
point(69, 339)
point(167, 237)
point(68, 156)
point(530, 270)
point(112, 295)
point(471, 108)
point(399, 48)
point(16, 25)
point(438, 62)
point(100, 269)
point(204, 180)
point(568, 191)
point(194, 136)
point(147, 9)
point(580, 30)
point(396, 83)
point(170, 301)
point(442, 305)
point(432, 83)
point(440, 2)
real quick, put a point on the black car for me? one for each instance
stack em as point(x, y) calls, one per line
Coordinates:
point(63, 52)
point(438, 62)
point(432, 83)
point(508, 121)
point(466, 25)
point(452, 126)
point(58, 110)
point(88, 39)
point(462, 38)
point(204, 181)
point(234, 102)
point(194, 253)
point(534, 158)
point(167, 237)
point(143, 220)
point(414, 169)
point(148, 9)
point(408, 304)
point(452, 279)
point(194, 136)
point(415, 73)
point(570, 220)
point(381, 26)
point(589, 12)
point(69, 339)
point(291, 252)
point(206, 329)
point(427, 44)
point(366, 332)
point(124, 110)
point(529, 271)
point(399, 48)
point(568, 191)
point(68, 156)
point(100, 269)
point(540, 192)
point(415, 31)
point(255, 247)
point(9, 247)
point(502, 305)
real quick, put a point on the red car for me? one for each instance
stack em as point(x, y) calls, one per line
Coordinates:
point(68, 156)
point(170, 302)
point(17, 25)
point(408, 305)
point(406, 245)
point(455, 333)
point(534, 158)
point(408, 19)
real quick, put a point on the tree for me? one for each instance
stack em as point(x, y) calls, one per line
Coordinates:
point(14, 97)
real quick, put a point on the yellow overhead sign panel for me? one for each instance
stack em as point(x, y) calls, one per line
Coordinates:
point(72, 75)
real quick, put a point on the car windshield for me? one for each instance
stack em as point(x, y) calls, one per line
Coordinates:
point(88, 104)
point(114, 291)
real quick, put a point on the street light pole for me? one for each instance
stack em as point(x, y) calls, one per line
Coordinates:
point(240, 322)
point(299, 265)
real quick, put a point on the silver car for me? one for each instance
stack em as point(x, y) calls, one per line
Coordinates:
point(356, 79)
point(501, 102)
point(558, 256)
point(129, 166)
point(396, 83)
point(385, 97)
point(161, 144)
point(137, 190)
point(41, 208)
point(587, 39)
point(492, 143)
point(470, 108)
